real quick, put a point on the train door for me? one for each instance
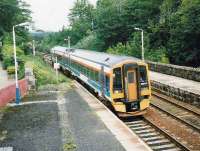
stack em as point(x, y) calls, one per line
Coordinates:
point(131, 83)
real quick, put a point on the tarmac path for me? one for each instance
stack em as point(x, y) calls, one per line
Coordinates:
point(4, 80)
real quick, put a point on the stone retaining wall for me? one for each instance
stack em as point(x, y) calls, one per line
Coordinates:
point(176, 93)
point(30, 79)
point(178, 71)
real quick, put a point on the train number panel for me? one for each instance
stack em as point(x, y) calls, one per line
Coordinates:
point(122, 81)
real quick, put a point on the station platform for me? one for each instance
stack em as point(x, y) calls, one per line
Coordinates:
point(97, 127)
point(63, 119)
point(177, 82)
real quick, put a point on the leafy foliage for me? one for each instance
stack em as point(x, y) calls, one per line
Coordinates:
point(7, 52)
point(81, 18)
point(13, 12)
point(177, 31)
point(11, 70)
point(170, 26)
point(43, 72)
point(123, 16)
point(91, 42)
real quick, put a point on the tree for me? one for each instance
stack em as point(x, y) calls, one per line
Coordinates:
point(177, 31)
point(123, 16)
point(110, 24)
point(183, 45)
point(81, 18)
point(12, 12)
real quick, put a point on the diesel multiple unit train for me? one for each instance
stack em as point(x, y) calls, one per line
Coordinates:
point(121, 80)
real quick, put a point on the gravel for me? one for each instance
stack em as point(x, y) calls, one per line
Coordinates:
point(184, 134)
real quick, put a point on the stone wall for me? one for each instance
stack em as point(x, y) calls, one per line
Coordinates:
point(176, 93)
point(30, 79)
point(178, 71)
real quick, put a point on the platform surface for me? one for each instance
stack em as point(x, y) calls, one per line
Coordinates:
point(116, 128)
point(177, 82)
point(63, 119)
point(90, 133)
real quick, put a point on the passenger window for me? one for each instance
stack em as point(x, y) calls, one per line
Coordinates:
point(117, 79)
point(107, 83)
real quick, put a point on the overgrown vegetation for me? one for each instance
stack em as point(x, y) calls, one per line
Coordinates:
point(8, 59)
point(13, 12)
point(91, 42)
point(43, 72)
point(170, 29)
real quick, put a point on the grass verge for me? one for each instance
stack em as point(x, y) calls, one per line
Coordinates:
point(43, 72)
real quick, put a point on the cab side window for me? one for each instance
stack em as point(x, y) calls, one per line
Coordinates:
point(117, 79)
point(143, 76)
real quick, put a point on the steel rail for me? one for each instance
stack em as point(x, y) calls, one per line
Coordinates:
point(166, 99)
point(177, 118)
point(169, 136)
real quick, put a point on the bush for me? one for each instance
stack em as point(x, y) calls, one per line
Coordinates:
point(11, 69)
point(7, 53)
point(130, 49)
point(7, 61)
point(43, 72)
point(157, 55)
point(21, 69)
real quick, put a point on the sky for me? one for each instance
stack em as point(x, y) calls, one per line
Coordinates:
point(51, 15)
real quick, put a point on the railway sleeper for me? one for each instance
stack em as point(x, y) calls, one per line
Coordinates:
point(153, 138)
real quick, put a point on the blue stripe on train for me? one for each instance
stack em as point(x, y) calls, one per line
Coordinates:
point(92, 83)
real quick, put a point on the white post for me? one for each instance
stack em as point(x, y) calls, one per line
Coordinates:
point(56, 69)
point(68, 42)
point(92, 25)
point(142, 36)
point(16, 75)
point(33, 43)
point(142, 39)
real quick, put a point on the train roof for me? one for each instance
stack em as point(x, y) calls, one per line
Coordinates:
point(97, 57)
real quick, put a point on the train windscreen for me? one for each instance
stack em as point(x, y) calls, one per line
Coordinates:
point(143, 77)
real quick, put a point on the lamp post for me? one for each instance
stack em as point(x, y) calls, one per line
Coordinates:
point(142, 39)
point(33, 45)
point(68, 40)
point(69, 43)
point(17, 100)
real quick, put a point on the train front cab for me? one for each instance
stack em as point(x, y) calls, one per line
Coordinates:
point(130, 88)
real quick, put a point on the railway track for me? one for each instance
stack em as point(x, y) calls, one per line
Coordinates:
point(156, 138)
point(187, 116)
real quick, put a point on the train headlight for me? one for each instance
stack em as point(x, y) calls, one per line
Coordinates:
point(116, 91)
